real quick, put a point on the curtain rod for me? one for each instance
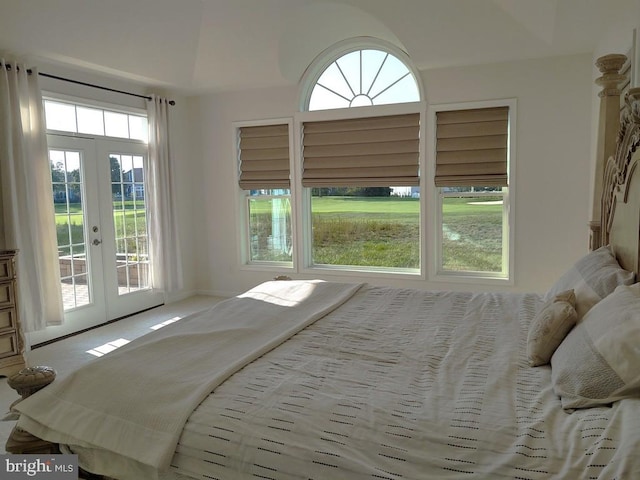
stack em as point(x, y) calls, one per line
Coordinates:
point(55, 77)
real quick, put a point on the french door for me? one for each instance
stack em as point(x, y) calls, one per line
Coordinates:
point(99, 194)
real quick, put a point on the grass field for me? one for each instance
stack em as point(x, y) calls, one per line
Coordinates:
point(359, 231)
point(472, 235)
point(70, 231)
point(356, 231)
point(385, 232)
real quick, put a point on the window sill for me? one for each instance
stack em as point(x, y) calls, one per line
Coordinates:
point(476, 278)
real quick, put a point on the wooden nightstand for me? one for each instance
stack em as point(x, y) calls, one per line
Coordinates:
point(11, 337)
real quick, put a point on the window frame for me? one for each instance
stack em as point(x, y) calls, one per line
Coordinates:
point(247, 226)
point(430, 197)
point(242, 201)
point(100, 145)
point(436, 272)
point(333, 53)
point(94, 104)
point(303, 194)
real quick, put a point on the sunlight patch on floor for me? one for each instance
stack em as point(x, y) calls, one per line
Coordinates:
point(165, 323)
point(108, 347)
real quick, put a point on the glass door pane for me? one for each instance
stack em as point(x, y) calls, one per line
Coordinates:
point(75, 197)
point(129, 210)
point(68, 187)
point(122, 179)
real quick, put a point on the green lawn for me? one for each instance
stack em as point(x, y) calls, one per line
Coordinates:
point(364, 231)
point(70, 227)
point(472, 235)
point(385, 231)
point(358, 231)
point(379, 207)
point(389, 207)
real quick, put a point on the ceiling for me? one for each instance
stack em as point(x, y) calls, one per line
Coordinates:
point(200, 46)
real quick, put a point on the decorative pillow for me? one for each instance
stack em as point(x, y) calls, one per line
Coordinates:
point(593, 277)
point(549, 327)
point(597, 363)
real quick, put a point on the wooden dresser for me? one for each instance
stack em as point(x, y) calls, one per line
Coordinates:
point(11, 337)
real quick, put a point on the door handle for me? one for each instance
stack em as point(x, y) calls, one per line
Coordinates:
point(96, 242)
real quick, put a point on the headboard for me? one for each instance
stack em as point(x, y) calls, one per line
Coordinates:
point(621, 189)
point(612, 79)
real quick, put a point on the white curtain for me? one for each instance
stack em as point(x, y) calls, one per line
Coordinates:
point(166, 263)
point(28, 223)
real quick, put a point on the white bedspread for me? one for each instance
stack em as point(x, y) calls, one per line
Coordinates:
point(393, 384)
point(403, 384)
point(134, 402)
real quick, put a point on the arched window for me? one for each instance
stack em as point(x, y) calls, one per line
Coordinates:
point(356, 165)
point(363, 77)
point(360, 187)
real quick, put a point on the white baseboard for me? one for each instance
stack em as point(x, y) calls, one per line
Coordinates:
point(177, 296)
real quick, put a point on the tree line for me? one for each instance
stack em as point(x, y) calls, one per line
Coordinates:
point(351, 192)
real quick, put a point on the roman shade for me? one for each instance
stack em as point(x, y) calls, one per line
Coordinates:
point(264, 157)
point(372, 151)
point(471, 147)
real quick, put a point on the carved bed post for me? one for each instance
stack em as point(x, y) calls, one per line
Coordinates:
point(618, 173)
point(608, 124)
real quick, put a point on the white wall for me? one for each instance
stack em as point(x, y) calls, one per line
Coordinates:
point(216, 191)
point(551, 183)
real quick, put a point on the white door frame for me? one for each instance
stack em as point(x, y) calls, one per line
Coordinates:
point(99, 236)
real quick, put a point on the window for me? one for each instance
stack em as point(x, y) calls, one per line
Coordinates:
point(472, 229)
point(353, 167)
point(269, 225)
point(348, 196)
point(361, 170)
point(264, 179)
point(365, 228)
point(364, 78)
point(471, 177)
point(71, 117)
point(356, 196)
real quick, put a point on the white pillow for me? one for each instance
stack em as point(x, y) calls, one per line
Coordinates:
point(549, 327)
point(599, 360)
point(592, 278)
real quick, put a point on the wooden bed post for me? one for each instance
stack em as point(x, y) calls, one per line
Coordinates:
point(608, 125)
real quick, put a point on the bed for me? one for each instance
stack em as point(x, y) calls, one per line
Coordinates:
point(321, 380)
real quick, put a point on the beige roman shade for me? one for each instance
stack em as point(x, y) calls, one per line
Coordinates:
point(368, 152)
point(264, 157)
point(471, 147)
